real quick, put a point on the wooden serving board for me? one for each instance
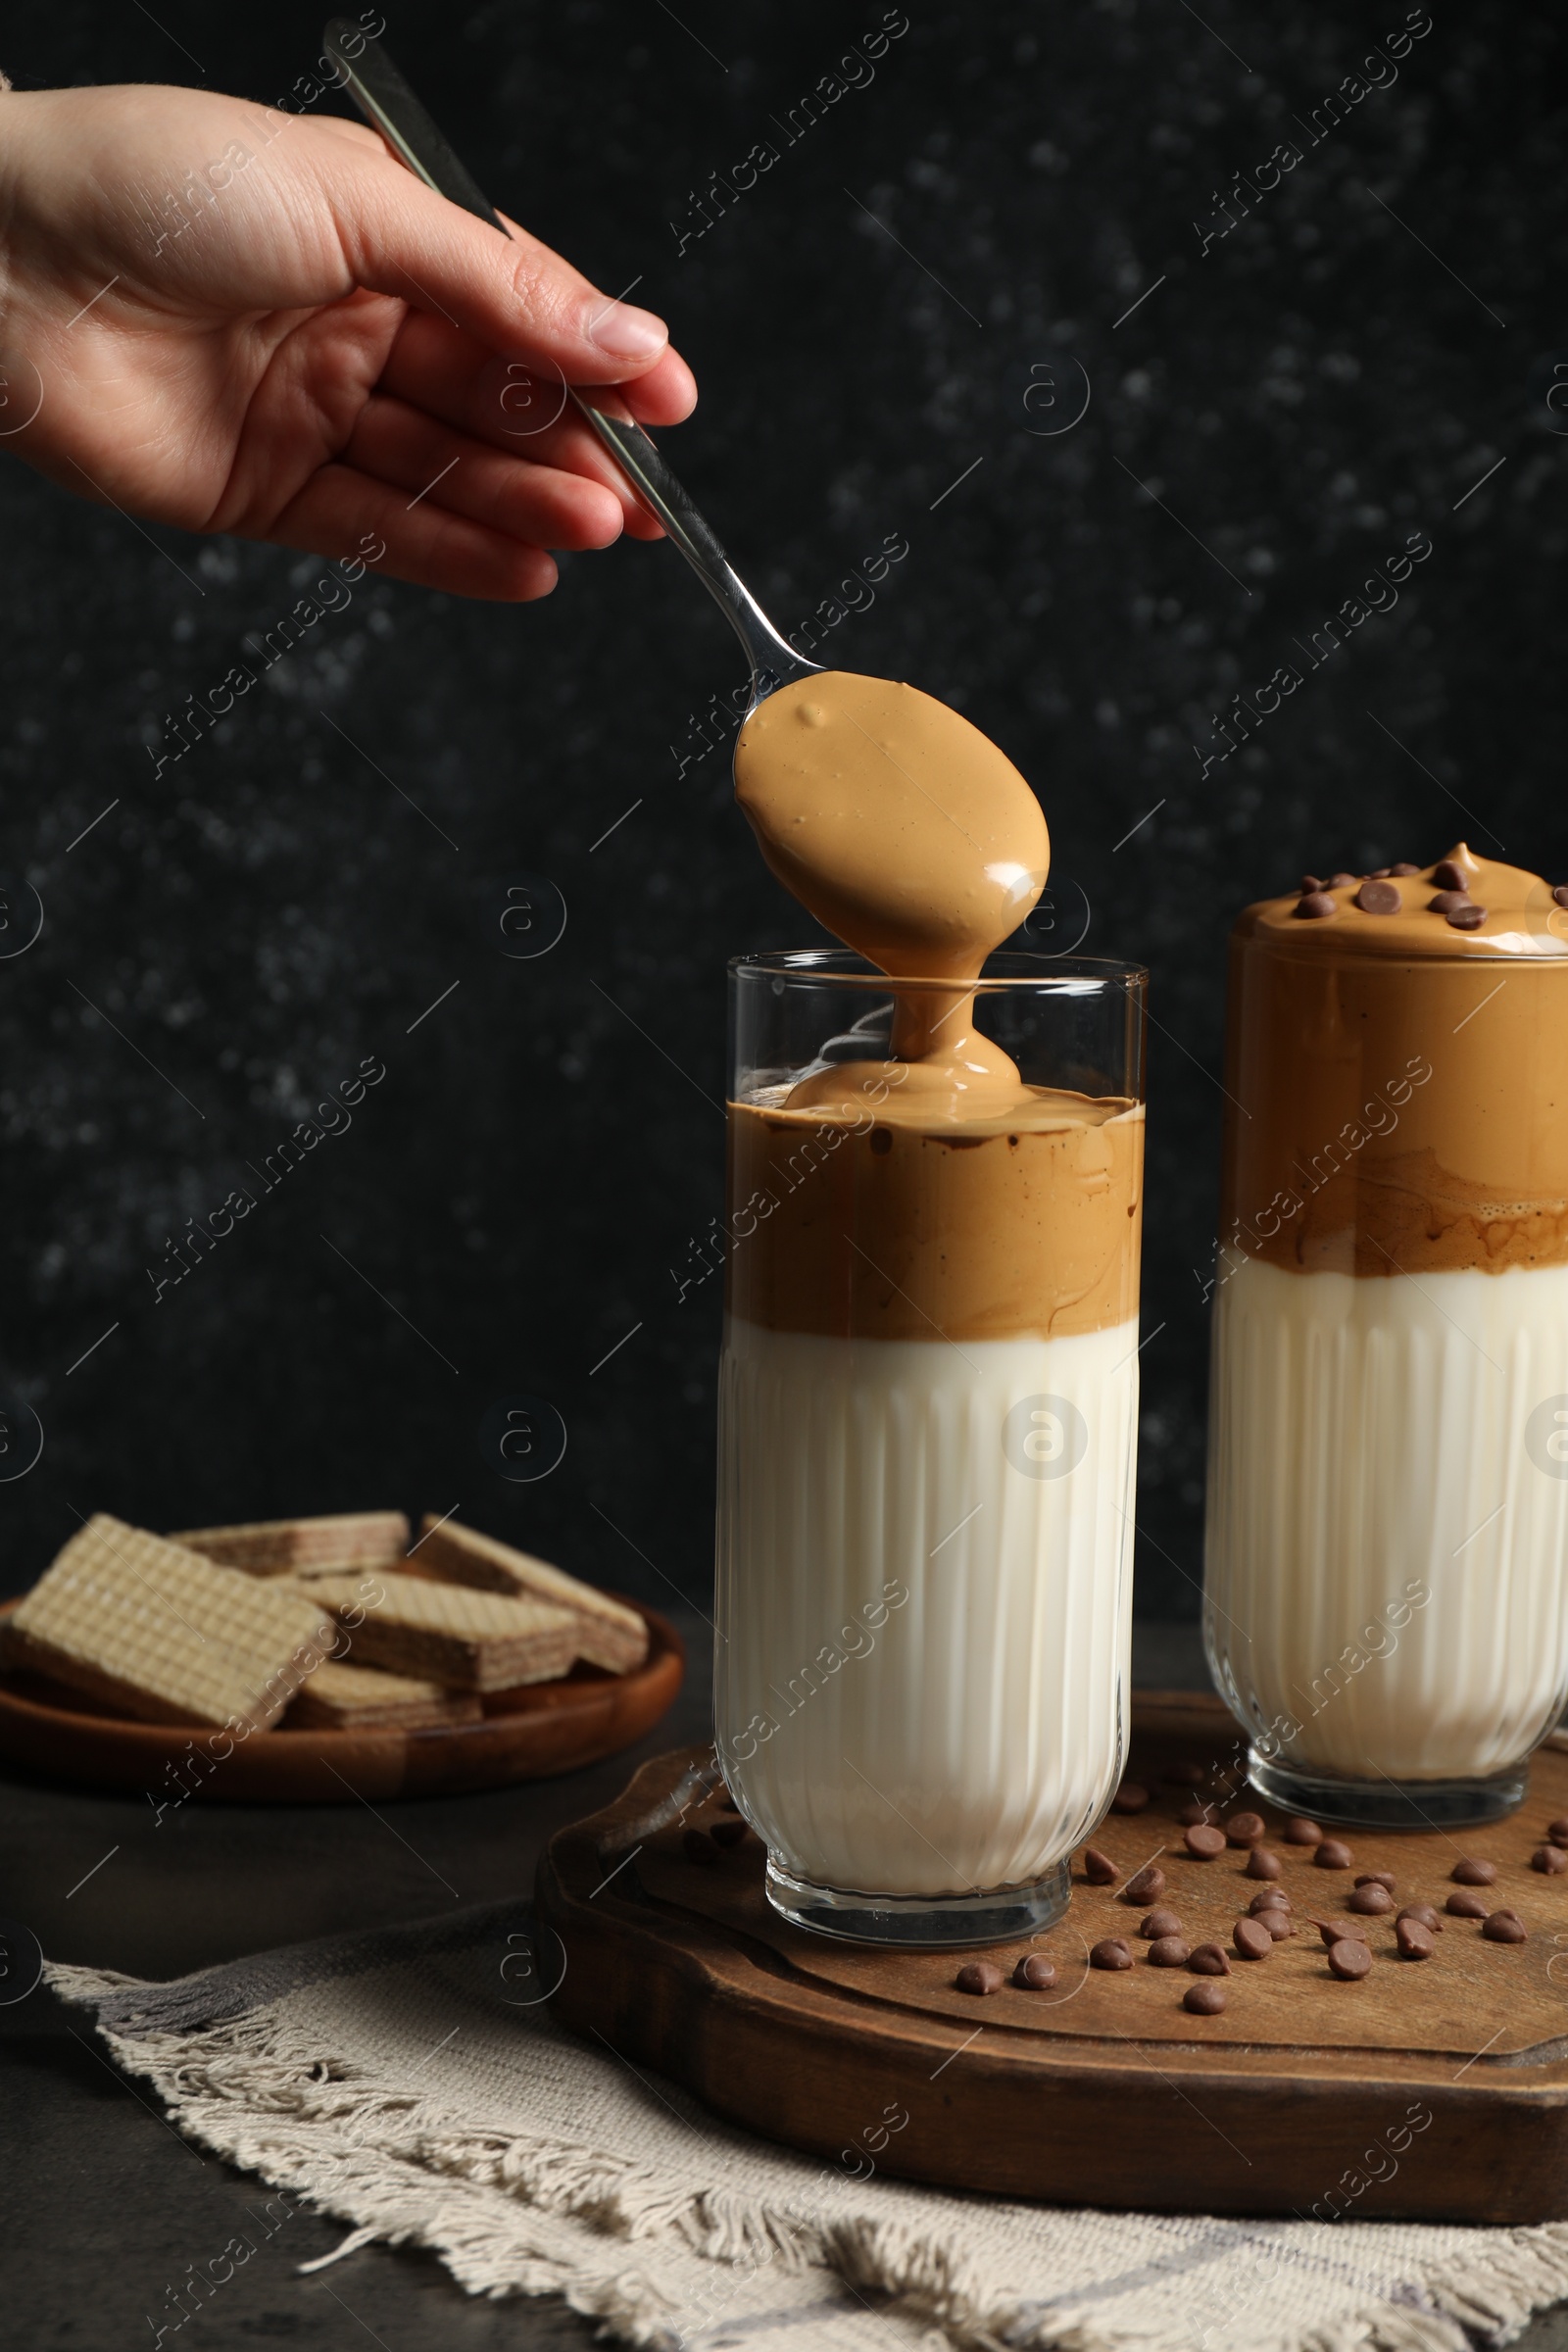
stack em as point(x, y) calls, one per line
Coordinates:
point(1433, 2090)
point(545, 1729)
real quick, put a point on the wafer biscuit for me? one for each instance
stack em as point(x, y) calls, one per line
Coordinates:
point(273, 1546)
point(363, 1698)
point(163, 1635)
point(469, 1640)
point(609, 1633)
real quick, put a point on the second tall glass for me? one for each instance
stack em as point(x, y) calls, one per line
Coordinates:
point(928, 1421)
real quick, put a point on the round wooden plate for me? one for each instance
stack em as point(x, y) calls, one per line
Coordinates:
point(551, 1728)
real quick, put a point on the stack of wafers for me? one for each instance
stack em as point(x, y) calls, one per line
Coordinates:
point(323, 1622)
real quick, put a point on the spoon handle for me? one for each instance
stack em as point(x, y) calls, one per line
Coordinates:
point(386, 101)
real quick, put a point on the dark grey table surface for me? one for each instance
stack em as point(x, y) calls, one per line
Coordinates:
point(105, 2205)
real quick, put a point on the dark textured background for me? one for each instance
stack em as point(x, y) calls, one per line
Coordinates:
point(271, 910)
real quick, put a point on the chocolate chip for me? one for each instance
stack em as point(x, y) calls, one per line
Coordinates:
point(1168, 1951)
point(1376, 1878)
point(1334, 1854)
point(1378, 897)
point(1279, 1924)
point(1204, 1843)
point(1378, 872)
point(1414, 1940)
point(1449, 876)
point(1309, 883)
point(1350, 1961)
point(1204, 2000)
point(1301, 1832)
point(1342, 881)
point(1159, 1921)
point(1465, 1906)
point(698, 1846)
point(1560, 894)
point(1504, 1927)
point(1209, 1961)
point(1467, 918)
point(1557, 1831)
point(1244, 1828)
point(1098, 1869)
point(1471, 1873)
point(1251, 1940)
point(1550, 1858)
point(1339, 1931)
point(1447, 901)
point(1261, 1864)
point(1110, 1952)
point(1143, 1886)
point(1404, 868)
point(1270, 1898)
point(1425, 1914)
point(1315, 906)
point(881, 1140)
point(1035, 1972)
point(979, 1976)
point(1131, 1797)
point(729, 1830)
point(1186, 1775)
point(1370, 1902)
point(1194, 1811)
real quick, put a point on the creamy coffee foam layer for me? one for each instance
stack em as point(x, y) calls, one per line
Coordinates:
point(1397, 1088)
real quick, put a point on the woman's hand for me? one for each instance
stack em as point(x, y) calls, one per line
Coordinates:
point(232, 319)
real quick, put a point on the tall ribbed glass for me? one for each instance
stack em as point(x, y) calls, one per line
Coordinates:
point(1387, 1572)
point(928, 1421)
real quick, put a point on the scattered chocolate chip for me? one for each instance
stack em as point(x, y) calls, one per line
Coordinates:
point(1251, 1940)
point(1449, 876)
point(1378, 872)
point(1098, 1869)
point(1342, 881)
point(1550, 1858)
point(1370, 1902)
point(1447, 901)
point(1414, 1940)
point(1465, 1906)
point(1209, 1961)
point(1186, 1775)
point(1378, 1878)
point(1204, 1843)
point(1339, 1931)
point(1302, 1833)
point(1244, 1828)
point(1560, 894)
point(1261, 1864)
point(698, 1846)
point(881, 1140)
point(1145, 1886)
point(1204, 2000)
point(1194, 1811)
point(1557, 1831)
point(1504, 1927)
point(1425, 1914)
point(979, 1976)
point(1131, 1797)
point(1333, 1854)
point(1404, 868)
point(1270, 1898)
point(1159, 1921)
point(1309, 883)
point(1315, 906)
point(1279, 1924)
point(1168, 1951)
point(1467, 918)
point(1471, 1873)
point(1035, 1972)
point(1350, 1961)
point(1378, 897)
point(1110, 1952)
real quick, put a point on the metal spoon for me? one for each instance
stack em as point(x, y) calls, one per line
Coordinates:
point(387, 103)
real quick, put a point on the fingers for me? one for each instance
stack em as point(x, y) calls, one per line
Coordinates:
point(427, 545)
point(512, 292)
point(540, 504)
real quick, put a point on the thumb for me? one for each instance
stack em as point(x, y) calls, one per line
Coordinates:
point(400, 238)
